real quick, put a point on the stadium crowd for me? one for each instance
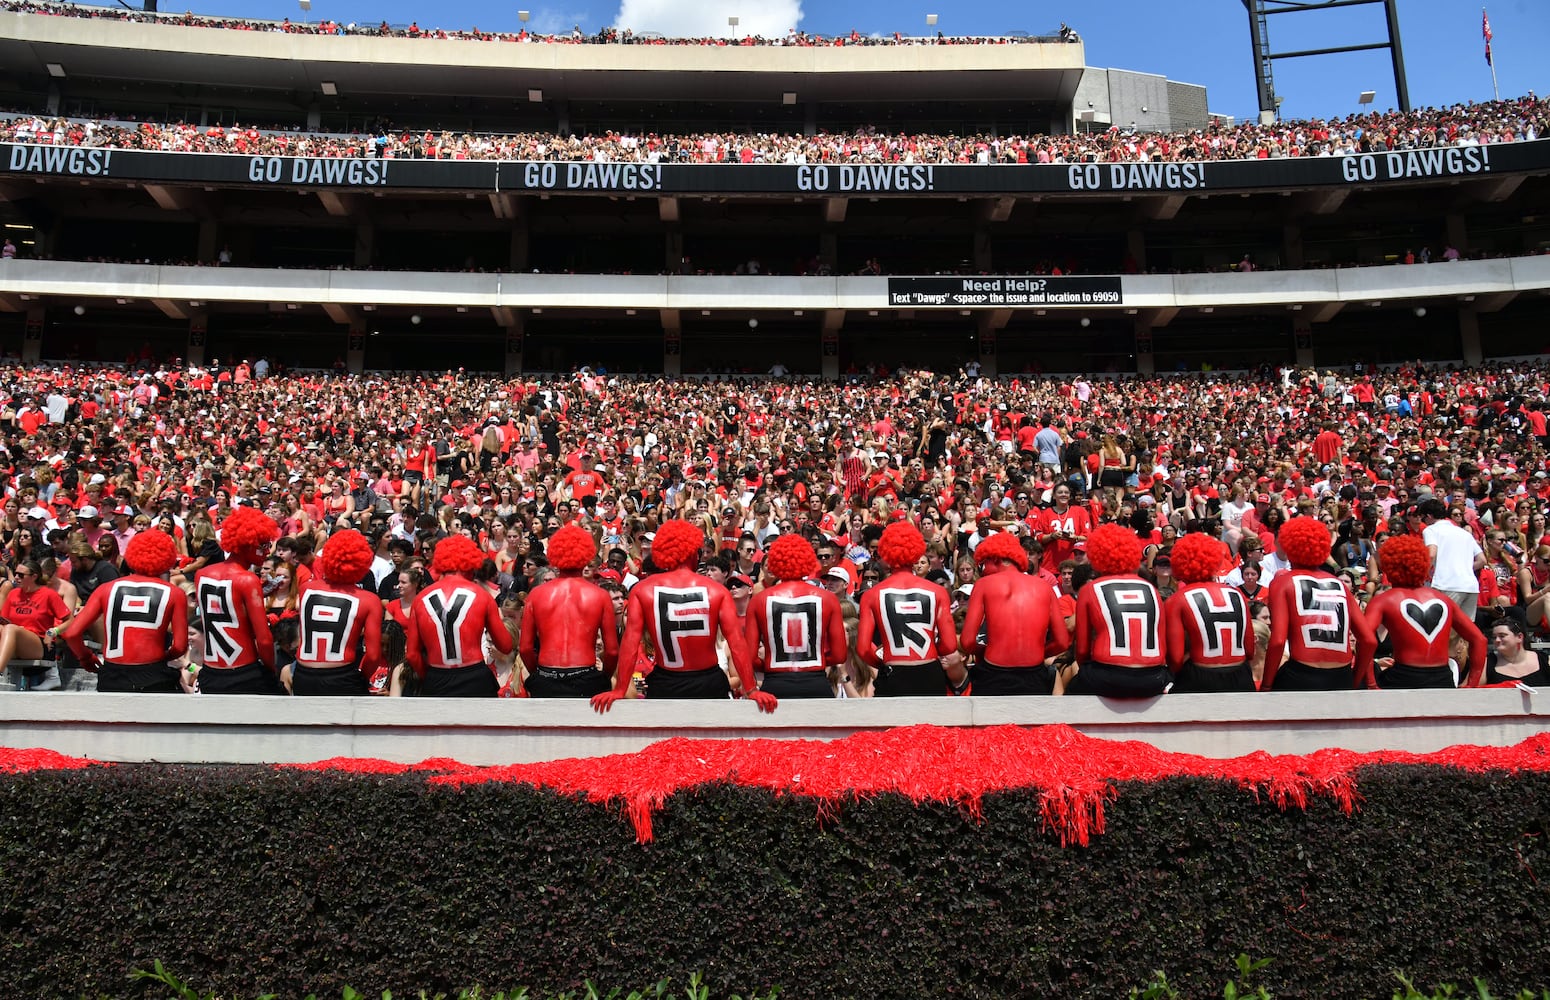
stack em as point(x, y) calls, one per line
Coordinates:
point(1516, 120)
point(603, 36)
point(1031, 467)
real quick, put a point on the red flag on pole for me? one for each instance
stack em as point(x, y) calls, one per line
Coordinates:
point(1485, 31)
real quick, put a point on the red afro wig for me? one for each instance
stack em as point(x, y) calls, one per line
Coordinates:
point(791, 558)
point(345, 558)
point(571, 548)
point(151, 553)
point(1113, 550)
point(1305, 541)
point(248, 528)
point(455, 554)
point(901, 544)
point(677, 543)
point(1405, 561)
point(1197, 557)
point(1004, 546)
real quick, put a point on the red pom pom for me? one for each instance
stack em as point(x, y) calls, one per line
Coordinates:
point(1197, 557)
point(1113, 550)
point(345, 558)
point(901, 545)
point(677, 543)
point(151, 553)
point(456, 554)
point(1405, 561)
point(1002, 545)
point(791, 558)
point(1305, 542)
point(571, 548)
point(247, 529)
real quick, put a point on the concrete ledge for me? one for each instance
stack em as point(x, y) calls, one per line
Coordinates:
point(253, 730)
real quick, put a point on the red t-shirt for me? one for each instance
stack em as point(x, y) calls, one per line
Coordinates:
point(36, 612)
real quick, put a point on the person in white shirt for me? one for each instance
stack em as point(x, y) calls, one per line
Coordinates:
point(1456, 556)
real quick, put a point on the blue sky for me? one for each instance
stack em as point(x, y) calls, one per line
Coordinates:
point(1197, 41)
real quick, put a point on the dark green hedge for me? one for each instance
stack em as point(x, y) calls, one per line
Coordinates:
point(249, 879)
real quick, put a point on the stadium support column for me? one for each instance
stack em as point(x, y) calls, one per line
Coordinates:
point(516, 340)
point(672, 343)
point(982, 251)
point(1146, 358)
point(988, 329)
point(833, 319)
point(198, 328)
point(355, 349)
point(209, 239)
point(32, 336)
point(1291, 245)
point(1302, 342)
point(365, 245)
point(1135, 246)
point(1469, 336)
point(1457, 231)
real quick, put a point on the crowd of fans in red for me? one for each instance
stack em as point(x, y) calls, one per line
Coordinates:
point(94, 455)
point(1518, 120)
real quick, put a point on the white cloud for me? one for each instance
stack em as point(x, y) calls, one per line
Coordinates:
point(557, 22)
point(676, 19)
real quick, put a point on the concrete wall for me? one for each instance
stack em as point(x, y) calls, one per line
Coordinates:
point(324, 50)
point(78, 280)
point(1139, 99)
point(270, 730)
point(1187, 106)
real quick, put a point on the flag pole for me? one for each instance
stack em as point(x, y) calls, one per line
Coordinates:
point(1485, 29)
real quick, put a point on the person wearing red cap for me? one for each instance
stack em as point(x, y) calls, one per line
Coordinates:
point(563, 621)
point(906, 627)
point(1314, 618)
point(682, 612)
point(144, 622)
point(444, 643)
point(1017, 613)
point(238, 649)
point(794, 629)
point(339, 640)
point(1210, 639)
point(1120, 642)
point(1421, 622)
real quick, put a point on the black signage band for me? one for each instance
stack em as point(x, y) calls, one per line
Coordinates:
point(1004, 290)
point(833, 180)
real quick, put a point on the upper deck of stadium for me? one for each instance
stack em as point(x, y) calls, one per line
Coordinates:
point(335, 75)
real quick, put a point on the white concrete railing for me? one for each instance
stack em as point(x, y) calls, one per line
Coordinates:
point(182, 284)
point(320, 51)
point(217, 729)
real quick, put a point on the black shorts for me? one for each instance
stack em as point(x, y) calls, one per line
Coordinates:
point(1193, 678)
point(413, 478)
point(1294, 676)
point(989, 679)
point(1108, 680)
point(797, 684)
point(1402, 676)
point(686, 685)
point(251, 678)
point(1113, 477)
point(139, 678)
point(565, 682)
point(473, 681)
point(317, 682)
point(915, 680)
